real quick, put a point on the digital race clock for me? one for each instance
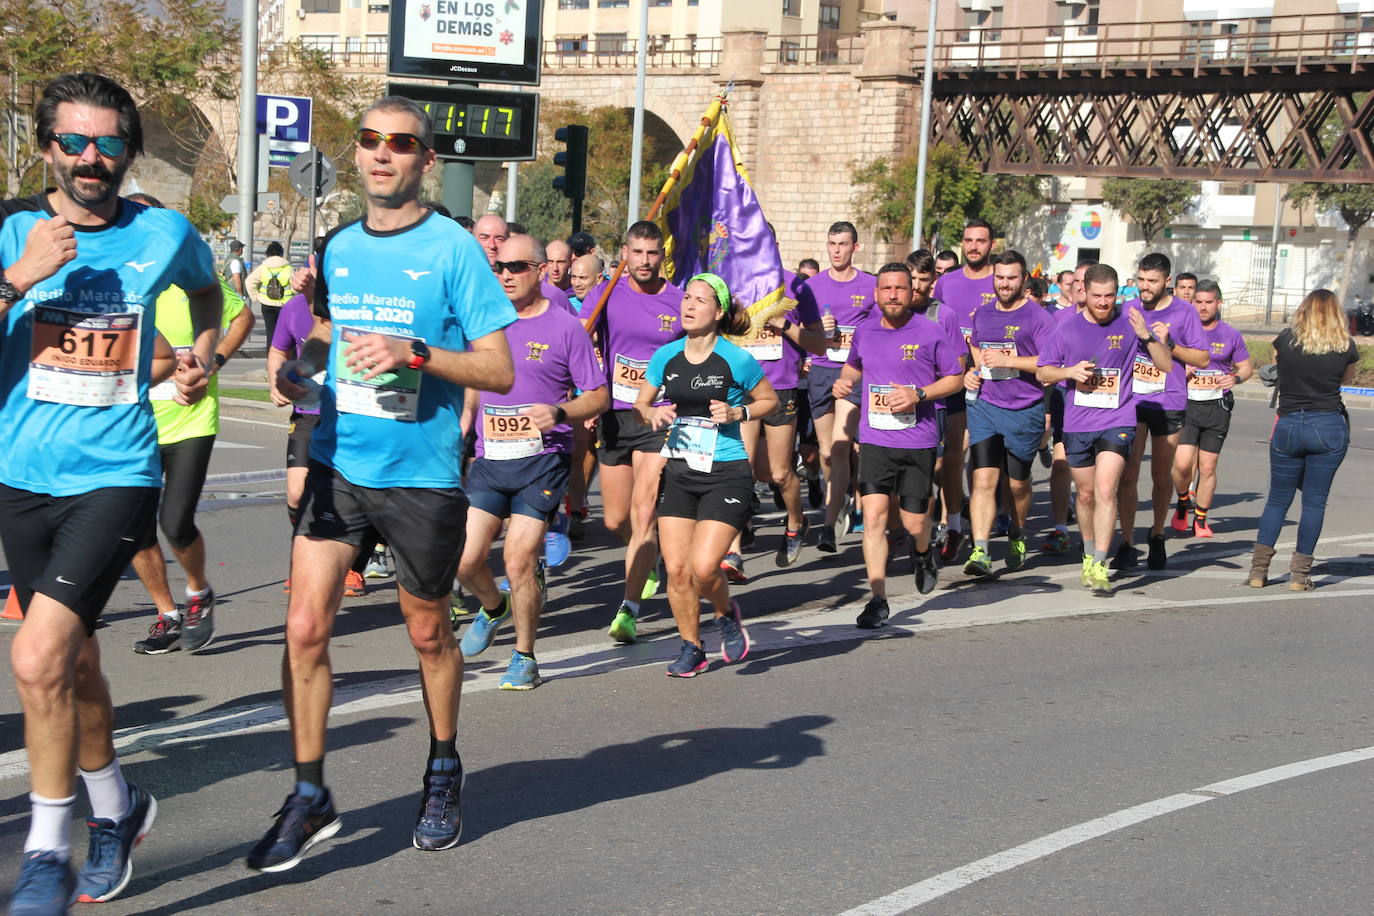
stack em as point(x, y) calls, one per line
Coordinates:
point(477, 124)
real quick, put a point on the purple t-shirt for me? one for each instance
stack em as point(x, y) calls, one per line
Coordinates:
point(778, 355)
point(964, 295)
point(294, 325)
point(916, 354)
point(552, 355)
point(1106, 401)
point(849, 301)
point(1023, 330)
point(556, 296)
point(1225, 348)
point(632, 326)
point(1185, 330)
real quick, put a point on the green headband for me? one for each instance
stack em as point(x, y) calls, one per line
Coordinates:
point(717, 284)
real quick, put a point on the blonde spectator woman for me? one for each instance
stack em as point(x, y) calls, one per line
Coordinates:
point(1315, 358)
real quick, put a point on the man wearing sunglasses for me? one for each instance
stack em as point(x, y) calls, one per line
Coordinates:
point(409, 316)
point(79, 484)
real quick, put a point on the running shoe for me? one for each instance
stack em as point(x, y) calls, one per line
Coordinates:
point(1086, 577)
point(1046, 456)
point(377, 567)
point(941, 533)
point(825, 539)
point(1127, 557)
point(814, 495)
point(354, 586)
point(856, 522)
point(1201, 529)
point(1057, 541)
point(746, 535)
point(873, 614)
point(792, 541)
point(109, 863)
point(623, 626)
point(949, 551)
point(1098, 579)
point(457, 608)
point(1180, 520)
point(163, 636)
point(557, 545)
point(1157, 558)
point(690, 661)
point(45, 885)
point(575, 532)
point(844, 522)
point(482, 631)
point(651, 582)
point(1001, 525)
point(1016, 553)
point(503, 585)
point(927, 571)
point(778, 502)
point(898, 540)
point(734, 639)
point(979, 563)
point(301, 823)
point(286, 587)
point(198, 621)
point(439, 824)
point(733, 567)
point(521, 674)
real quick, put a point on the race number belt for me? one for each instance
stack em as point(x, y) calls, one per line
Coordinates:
point(393, 395)
point(82, 359)
point(1102, 389)
point(1147, 378)
point(628, 375)
point(508, 434)
point(882, 415)
point(693, 439)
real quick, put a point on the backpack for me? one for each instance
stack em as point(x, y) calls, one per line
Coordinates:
point(274, 288)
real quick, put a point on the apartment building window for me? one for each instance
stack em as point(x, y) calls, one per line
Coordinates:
point(574, 4)
point(374, 44)
point(981, 26)
point(789, 51)
point(612, 43)
point(1083, 16)
point(830, 16)
point(378, 7)
point(1359, 33)
point(320, 6)
point(612, 4)
point(571, 44)
point(661, 3)
point(791, 7)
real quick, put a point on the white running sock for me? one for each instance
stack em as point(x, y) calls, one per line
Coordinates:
point(108, 791)
point(190, 593)
point(50, 824)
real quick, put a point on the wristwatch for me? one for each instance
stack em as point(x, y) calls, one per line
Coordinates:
point(8, 291)
point(920, 394)
point(786, 326)
point(419, 354)
point(220, 360)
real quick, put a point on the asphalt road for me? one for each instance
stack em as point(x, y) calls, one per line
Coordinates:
point(1013, 746)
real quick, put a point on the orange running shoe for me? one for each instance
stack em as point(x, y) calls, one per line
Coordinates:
point(354, 587)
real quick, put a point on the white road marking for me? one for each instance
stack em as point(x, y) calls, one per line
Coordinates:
point(908, 898)
point(222, 443)
point(814, 626)
point(224, 416)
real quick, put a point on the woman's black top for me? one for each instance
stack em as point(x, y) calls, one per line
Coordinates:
point(1308, 382)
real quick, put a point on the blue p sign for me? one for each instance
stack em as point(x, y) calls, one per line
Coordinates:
point(284, 117)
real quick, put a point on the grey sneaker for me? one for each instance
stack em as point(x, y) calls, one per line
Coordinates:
point(163, 636)
point(198, 621)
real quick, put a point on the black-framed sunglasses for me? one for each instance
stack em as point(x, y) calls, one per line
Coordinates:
point(515, 267)
point(397, 143)
point(75, 144)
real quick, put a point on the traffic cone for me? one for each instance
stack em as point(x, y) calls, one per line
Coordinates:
point(12, 611)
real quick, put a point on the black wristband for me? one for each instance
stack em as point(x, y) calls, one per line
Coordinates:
point(786, 325)
point(560, 415)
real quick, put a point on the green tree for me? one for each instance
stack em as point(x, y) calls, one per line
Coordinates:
point(1151, 203)
point(546, 213)
point(1354, 203)
point(956, 191)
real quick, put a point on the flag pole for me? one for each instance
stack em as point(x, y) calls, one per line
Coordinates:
point(708, 120)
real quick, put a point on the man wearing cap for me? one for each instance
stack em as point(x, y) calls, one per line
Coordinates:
point(234, 268)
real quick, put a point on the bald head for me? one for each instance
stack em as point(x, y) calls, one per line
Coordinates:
point(490, 231)
point(560, 261)
point(585, 273)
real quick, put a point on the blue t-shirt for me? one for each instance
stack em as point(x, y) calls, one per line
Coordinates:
point(728, 375)
point(430, 281)
point(76, 355)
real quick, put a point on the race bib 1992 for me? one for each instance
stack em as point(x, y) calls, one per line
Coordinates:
point(508, 434)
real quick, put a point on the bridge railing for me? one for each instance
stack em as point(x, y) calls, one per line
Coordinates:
point(828, 47)
point(1301, 40)
point(593, 53)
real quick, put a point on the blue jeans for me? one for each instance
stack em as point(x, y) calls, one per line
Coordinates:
point(1306, 449)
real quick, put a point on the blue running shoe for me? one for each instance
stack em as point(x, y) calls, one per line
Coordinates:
point(734, 639)
point(301, 823)
point(44, 887)
point(521, 674)
point(690, 662)
point(109, 863)
point(482, 631)
point(557, 549)
point(440, 823)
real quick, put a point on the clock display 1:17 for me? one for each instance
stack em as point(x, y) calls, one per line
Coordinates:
point(477, 124)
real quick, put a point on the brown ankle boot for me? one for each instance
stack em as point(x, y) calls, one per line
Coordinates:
point(1298, 572)
point(1259, 566)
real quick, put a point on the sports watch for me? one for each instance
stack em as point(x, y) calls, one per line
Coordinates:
point(419, 354)
point(8, 291)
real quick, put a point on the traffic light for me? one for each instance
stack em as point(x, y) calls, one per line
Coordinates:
point(573, 161)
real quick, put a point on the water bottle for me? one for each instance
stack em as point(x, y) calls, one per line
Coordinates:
point(311, 401)
point(830, 332)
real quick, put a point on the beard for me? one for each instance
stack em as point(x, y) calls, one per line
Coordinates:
point(90, 197)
